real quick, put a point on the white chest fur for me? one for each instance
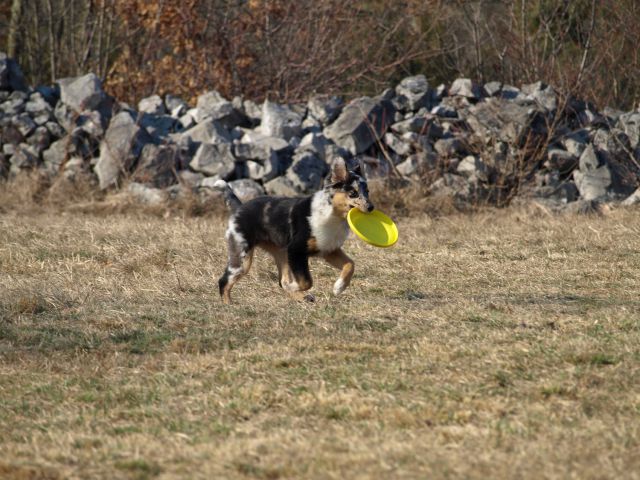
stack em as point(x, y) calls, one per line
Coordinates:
point(329, 230)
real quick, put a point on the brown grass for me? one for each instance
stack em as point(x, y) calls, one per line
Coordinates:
point(488, 346)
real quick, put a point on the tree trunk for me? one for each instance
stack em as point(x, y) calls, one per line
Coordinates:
point(14, 23)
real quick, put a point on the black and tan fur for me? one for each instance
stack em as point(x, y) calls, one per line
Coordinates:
point(294, 229)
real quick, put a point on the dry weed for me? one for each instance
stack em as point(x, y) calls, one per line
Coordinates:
point(497, 345)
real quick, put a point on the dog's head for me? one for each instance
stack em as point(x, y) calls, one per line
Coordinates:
point(347, 189)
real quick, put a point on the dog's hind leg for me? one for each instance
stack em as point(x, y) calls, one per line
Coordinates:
point(239, 263)
point(237, 267)
point(342, 262)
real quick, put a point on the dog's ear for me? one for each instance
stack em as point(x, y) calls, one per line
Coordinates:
point(339, 171)
point(358, 168)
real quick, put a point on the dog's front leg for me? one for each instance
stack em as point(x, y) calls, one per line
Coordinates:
point(298, 261)
point(342, 262)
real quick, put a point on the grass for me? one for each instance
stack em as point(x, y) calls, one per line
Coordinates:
point(499, 345)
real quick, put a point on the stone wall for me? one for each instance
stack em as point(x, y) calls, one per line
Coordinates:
point(487, 143)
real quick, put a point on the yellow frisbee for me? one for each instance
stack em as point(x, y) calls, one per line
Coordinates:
point(374, 228)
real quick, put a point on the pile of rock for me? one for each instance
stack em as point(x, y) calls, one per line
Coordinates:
point(474, 142)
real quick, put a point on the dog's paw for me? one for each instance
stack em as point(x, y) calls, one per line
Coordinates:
point(339, 287)
point(302, 297)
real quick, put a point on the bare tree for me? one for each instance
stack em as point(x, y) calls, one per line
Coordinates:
point(14, 22)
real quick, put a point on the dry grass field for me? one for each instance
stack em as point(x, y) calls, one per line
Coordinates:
point(499, 345)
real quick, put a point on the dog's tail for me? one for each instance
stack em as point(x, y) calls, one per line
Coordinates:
point(230, 198)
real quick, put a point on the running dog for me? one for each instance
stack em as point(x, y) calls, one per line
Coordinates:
point(294, 229)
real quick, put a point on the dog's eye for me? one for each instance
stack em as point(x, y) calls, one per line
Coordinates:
point(353, 194)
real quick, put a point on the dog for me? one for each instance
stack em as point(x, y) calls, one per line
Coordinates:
point(294, 229)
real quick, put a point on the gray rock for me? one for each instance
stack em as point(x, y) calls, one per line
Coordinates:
point(187, 121)
point(25, 156)
point(614, 141)
point(509, 92)
point(265, 169)
point(259, 147)
point(82, 144)
point(362, 122)
point(633, 199)
point(451, 185)
point(561, 160)
point(122, 145)
point(55, 129)
point(311, 125)
point(594, 178)
point(13, 106)
point(214, 159)
point(464, 87)
point(333, 151)
point(413, 93)
point(11, 135)
point(565, 192)
point(208, 131)
point(37, 104)
point(374, 167)
point(325, 108)
point(506, 121)
point(387, 95)
point(307, 172)
point(492, 89)
point(156, 166)
point(246, 189)
point(252, 110)
point(209, 183)
point(42, 118)
point(396, 144)
point(11, 77)
point(472, 166)
point(152, 105)
point(91, 122)
point(422, 125)
point(158, 126)
point(19, 95)
point(190, 179)
point(73, 169)
point(281, 187)
point(576, 141)
point(612, 114)
point(542, 94)
point(212, 105)
point(439, 93)
point(82, 93)
point(24, 124)
point(419, 142)
point(450, 147)
point(629, 123)
point(57, 153)
point(444, 111)
point(591, 159)
point(51, 93)
point(175, 106)
point(280, 121)
point(146, 195)
point(8, 149)
point(317, 143)
point(417, 164)
point(40, 139)
point(65, 116)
